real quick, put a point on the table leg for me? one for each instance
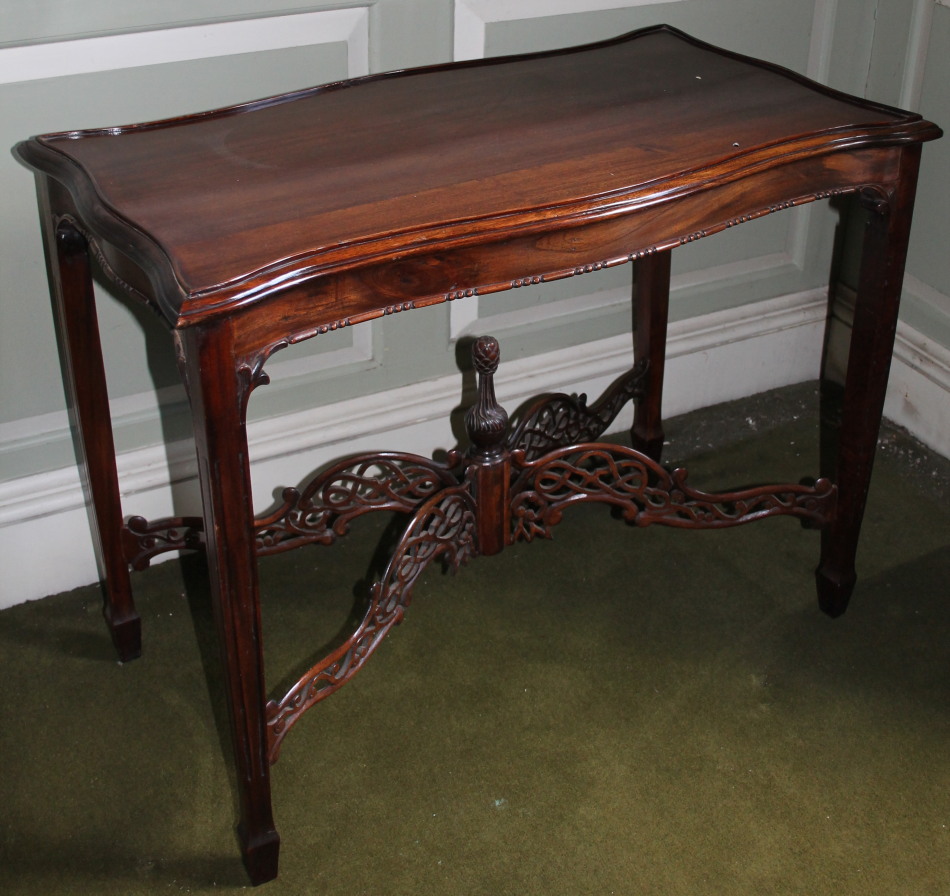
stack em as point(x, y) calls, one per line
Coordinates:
point(218, 389)
point(869, 357)
point(78, 329)
point(651, 310)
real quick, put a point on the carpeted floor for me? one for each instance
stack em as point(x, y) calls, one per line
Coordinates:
point(617, 711)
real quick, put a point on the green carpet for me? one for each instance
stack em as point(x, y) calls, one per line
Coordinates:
point(617, 711)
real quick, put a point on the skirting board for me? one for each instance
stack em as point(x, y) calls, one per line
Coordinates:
point(918, 391)
point(47, 548)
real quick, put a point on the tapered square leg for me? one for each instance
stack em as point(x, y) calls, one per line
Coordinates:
point(651, 311)
point(869, 357)
point(219, 386)
point(88, 399)
point(260, 855)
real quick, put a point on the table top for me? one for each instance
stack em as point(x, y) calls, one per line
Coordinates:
point(241, 201)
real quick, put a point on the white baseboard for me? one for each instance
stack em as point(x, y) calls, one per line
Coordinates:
point(918, 391)
point(46, 546)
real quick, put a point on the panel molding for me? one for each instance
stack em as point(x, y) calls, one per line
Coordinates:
point(710, 359)
point(822, 34)
point(61, 59)
point(116, 52)
point(29, 433)
point(328, 428)
point(918, 44)
point(464, 319)
point(472, 18)
point(926, 295)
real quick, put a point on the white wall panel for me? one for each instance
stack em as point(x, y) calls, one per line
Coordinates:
point(60, 59)
point(747, 305)
point(170, 71)
point(771, 256)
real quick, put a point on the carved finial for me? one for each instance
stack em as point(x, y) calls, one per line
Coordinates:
point(486, 421)
point(486, 353)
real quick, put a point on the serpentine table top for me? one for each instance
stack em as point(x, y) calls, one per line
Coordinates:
point(225, 208)
point(263, 224)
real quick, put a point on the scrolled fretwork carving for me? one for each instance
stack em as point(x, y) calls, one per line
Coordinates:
point(443, 527)
point(324, 509)
point(142, 540)
point(514, 485)
point(319, 513)
point(647, 493)
point(555, 421)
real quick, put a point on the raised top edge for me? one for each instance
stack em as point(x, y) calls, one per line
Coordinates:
point(226, 206)
point(344, 83)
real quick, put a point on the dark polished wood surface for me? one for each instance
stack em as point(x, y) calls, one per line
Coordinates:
point(256, 226)
point(235, 203)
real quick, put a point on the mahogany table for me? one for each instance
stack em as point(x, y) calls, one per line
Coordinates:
point(260, 225)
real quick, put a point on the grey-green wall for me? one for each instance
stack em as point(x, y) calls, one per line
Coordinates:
point(897, 51)
point(914, 70)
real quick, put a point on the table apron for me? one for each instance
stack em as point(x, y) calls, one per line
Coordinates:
point(430, 276)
